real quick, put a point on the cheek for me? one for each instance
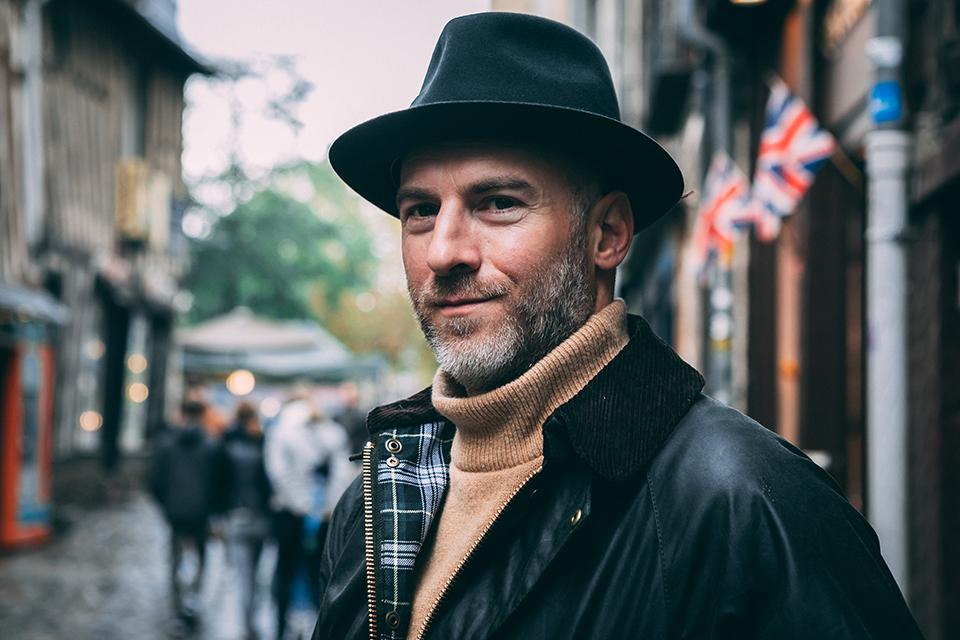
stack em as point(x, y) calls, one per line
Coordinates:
point(531, 253)
point(414, 266)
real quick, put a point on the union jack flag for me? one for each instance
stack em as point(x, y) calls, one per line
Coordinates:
point(724, 206)
point(792, 148)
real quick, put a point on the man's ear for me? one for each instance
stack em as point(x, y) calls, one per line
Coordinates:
point(612, 221)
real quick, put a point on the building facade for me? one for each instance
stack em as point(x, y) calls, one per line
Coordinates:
point(91, 195)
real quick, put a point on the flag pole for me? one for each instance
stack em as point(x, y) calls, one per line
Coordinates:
point(847, 168)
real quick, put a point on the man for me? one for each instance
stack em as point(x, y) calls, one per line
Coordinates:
point(183, 480)
point(564, 477)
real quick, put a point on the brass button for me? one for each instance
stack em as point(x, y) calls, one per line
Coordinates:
point(392, 619)
point(575, 520)
point(393, 461)
point(394, 446)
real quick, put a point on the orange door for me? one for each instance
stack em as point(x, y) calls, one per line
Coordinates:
point(26, 438)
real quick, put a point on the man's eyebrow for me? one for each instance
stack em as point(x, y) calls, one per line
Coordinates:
point(496, 184)
point(411, 193)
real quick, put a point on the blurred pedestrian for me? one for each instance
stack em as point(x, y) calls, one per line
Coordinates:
point(352, 417)
point(212, 422)
point(245, 491)
point(307, 458)
point(182, 480)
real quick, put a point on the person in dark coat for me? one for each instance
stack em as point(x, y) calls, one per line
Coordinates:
point(564, 477)
point(183, 481)
point(352, 417)
point(246, 498)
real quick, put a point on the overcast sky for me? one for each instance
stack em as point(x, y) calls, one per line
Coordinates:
point(365, 58)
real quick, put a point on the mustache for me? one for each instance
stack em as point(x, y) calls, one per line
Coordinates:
point(461, 286)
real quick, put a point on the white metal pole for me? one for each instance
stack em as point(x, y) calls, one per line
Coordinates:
point(888, 152)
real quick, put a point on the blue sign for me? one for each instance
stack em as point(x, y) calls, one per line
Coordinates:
point(886, 102)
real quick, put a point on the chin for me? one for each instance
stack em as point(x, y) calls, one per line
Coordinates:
point(481, 360)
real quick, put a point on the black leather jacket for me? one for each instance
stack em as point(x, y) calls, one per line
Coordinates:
point(659, 513)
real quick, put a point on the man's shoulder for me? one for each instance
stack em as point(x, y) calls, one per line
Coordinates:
point(716, 452)
point(723, 476)
point(714, 430)
point(744, 510)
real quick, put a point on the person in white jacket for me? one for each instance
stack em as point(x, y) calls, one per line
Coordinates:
point(307, 461)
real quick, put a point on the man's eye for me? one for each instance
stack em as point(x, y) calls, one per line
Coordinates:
point(422, 211)
point(502, 202)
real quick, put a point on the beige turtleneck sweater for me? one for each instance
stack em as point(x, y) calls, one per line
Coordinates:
point(498, 445)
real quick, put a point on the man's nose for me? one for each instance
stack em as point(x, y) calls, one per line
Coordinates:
point(453, 245)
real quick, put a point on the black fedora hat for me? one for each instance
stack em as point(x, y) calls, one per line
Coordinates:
point(521, 78)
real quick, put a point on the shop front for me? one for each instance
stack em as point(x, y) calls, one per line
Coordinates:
point(28, 321)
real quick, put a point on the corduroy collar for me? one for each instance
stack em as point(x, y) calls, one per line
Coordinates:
point(618, 421)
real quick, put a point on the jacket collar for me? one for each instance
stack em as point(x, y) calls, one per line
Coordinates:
point(618, 422)
point(625, 414)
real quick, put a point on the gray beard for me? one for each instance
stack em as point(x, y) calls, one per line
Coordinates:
point(546, 312)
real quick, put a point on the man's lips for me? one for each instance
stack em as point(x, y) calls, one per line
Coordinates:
point(459, 296)
point(457, 306)
point(456, 302)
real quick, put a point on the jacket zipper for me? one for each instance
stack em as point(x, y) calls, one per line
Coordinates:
point(368, 512)
point(471, 549)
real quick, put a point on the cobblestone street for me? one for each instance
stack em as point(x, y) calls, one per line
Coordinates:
point(104, 576)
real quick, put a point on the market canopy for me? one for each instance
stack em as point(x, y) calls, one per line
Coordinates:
point(279, 349)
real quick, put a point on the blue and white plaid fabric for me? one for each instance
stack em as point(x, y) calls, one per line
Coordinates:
point(410, 495)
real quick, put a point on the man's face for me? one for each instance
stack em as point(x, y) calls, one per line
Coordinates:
point(496, 259)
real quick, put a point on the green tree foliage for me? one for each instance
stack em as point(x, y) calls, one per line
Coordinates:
point(296, 237)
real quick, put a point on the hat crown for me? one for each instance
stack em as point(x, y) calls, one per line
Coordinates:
point(514, 77)
point(521, 59)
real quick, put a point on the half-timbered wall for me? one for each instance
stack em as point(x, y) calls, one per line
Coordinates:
point(13, 250)
point(92, 81)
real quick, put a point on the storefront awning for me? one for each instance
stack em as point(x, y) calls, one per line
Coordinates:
point(33, 303)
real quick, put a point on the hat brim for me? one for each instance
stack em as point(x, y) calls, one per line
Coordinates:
point(365, 155)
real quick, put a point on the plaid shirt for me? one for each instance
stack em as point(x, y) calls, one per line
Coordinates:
point(410, 486)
